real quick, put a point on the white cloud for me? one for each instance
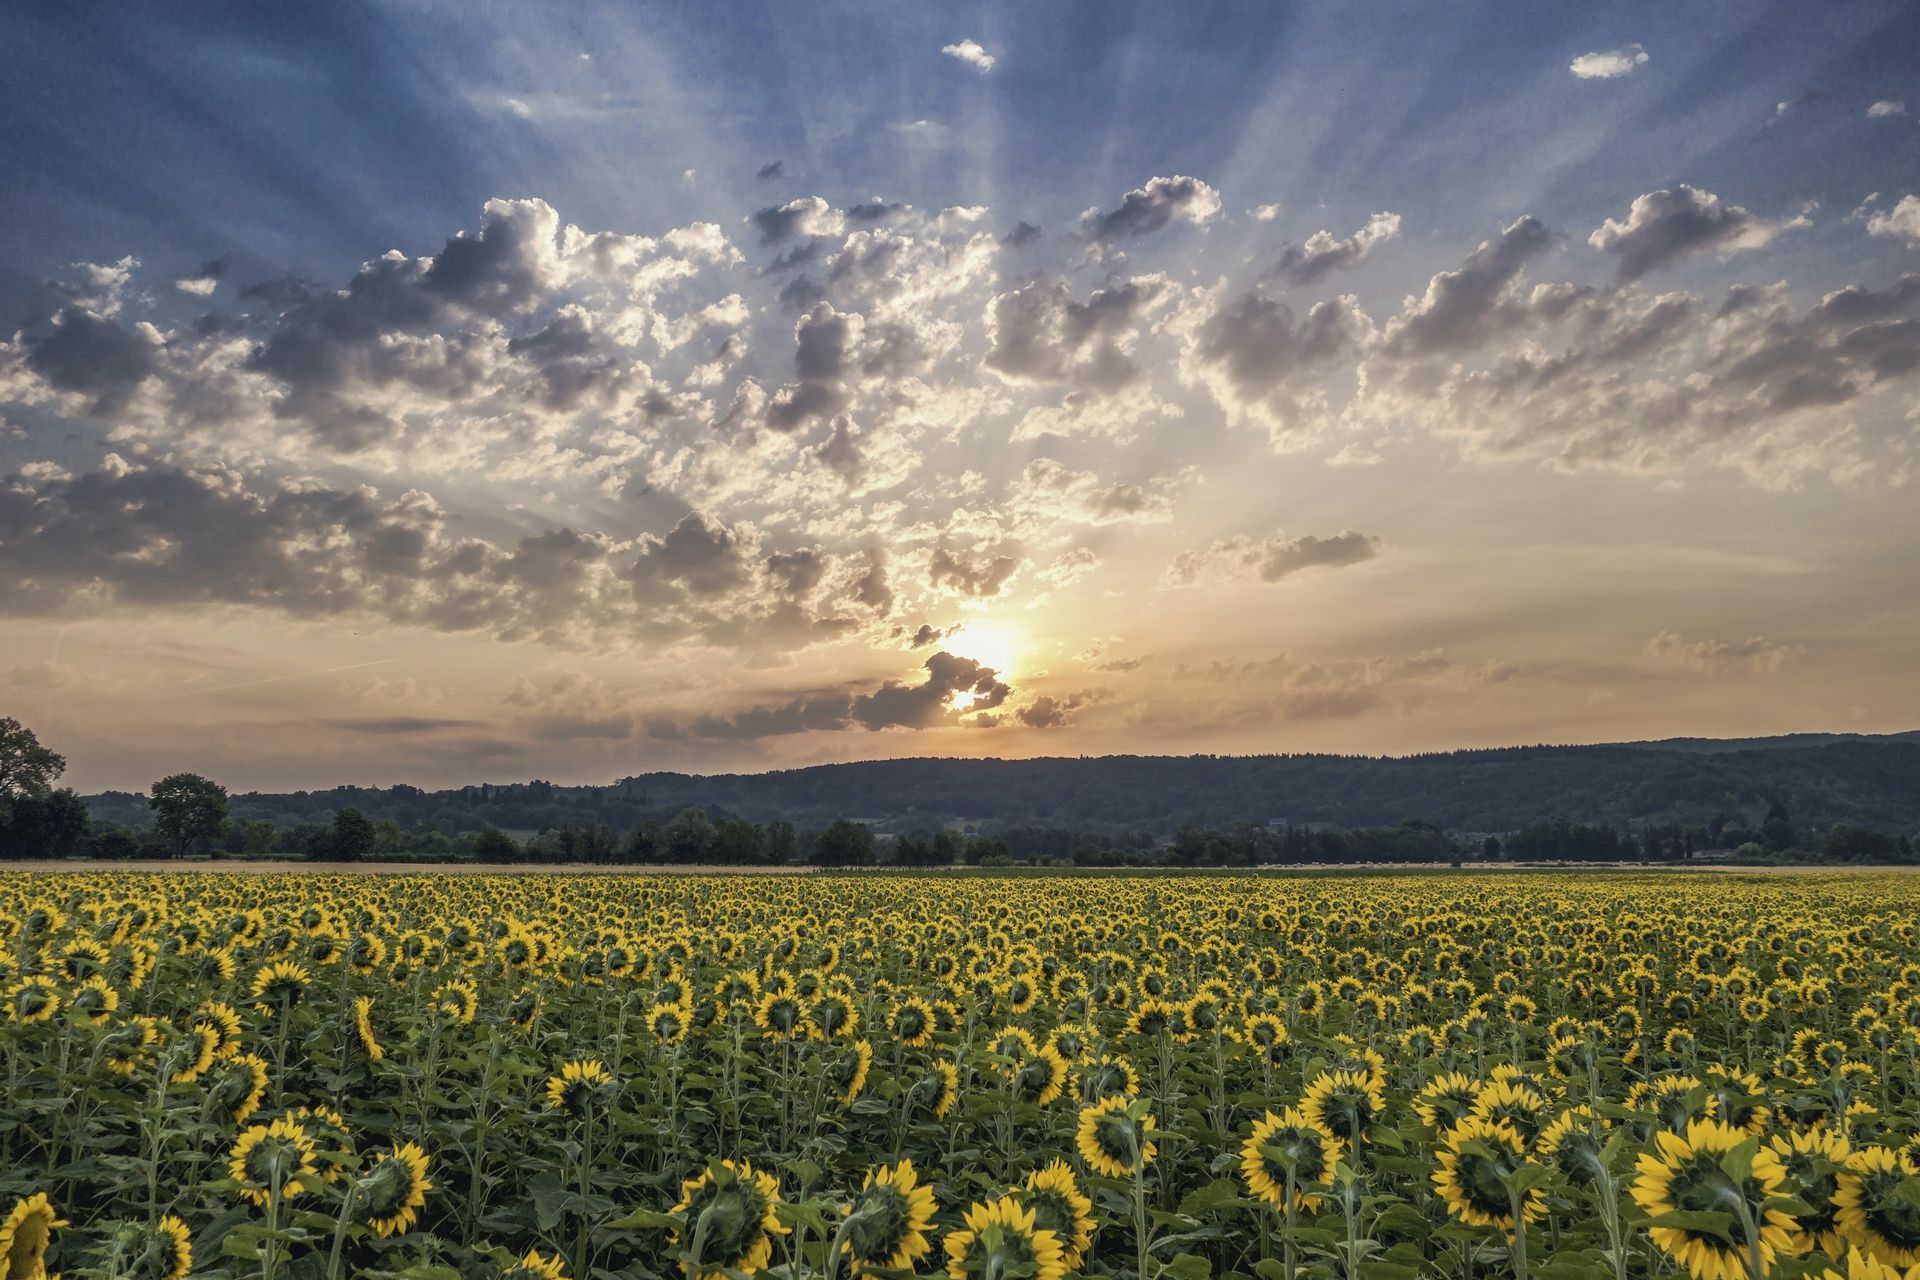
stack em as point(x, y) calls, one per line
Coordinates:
point(1885, 108)
point(1755, 655)
point(1266, 212)
point(1609, 64)
point(970, 52)
point(1902, 220)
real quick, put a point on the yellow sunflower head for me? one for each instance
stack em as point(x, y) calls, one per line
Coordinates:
point(25, 1235)
point(1289, 1148)
point(732, 1212)
point(887, 1223)
point(1690, 1173)
point(1478, 1163)
point(1115, 1136)
point(393, 1189)
point(1000, 1236)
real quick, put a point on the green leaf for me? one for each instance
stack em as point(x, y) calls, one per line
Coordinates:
point(645, 1219)
point(1709, 1223)
point(1188, 1266)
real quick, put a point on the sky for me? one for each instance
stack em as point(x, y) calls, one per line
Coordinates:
point(442, 393)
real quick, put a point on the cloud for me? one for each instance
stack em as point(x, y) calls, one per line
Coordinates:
point(1902, 220)
point(1050, 493)
point(1270, 559)
point(1666, 226)
point(1462, 308)
point(771, 170)
point(159, 536)
point(1049, 712)
point(970, 52)
point(1886, 108)
point(1322, 254)
point(806, 216)
point(1755, 655)
point(1039, 334)
point(1609, 64)
point(1263, 364)
point(1265, 212)
point(930, 704)
point(978, 578)
point(203, 282)
point(1147, 209)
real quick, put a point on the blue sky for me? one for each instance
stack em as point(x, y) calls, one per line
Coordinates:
point(1375, 377)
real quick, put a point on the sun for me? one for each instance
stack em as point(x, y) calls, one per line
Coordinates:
point(990, 643)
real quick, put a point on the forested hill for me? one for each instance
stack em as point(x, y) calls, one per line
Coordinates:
point(1873, 782)
point(1822, 782)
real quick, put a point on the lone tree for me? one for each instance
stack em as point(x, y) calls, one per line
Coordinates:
point(353, 836)
point(26, 767)
point(187, 807)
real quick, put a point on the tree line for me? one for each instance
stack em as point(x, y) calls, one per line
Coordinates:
point(188, 814)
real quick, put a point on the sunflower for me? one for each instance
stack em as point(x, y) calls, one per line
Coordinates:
point(1346, 1103)
point(1813, 1160)
point(1288, 1144)
point(457, 1001)
point(332, 1139)
point(1864, 1266)
point(239, 1083)
point(912, 1023)
point(939, 1089)
point(999, 1237)
point(1573, 1142)
point(578, 1085)
point(163, 1251)
point(279, 984)
point(1108, 1077)
point(270, 1160)
point(1445, 1101)
point(886, 1226)
point(195, 1049)
point(1113, 1140)
point(1685, 1176)
point(1061, 1207)
point(95, 1000)
point(225, 1021)
point(535, 1267)
point(1870, 1211)
point(847, 1073)
point(363, 1028)
point(669, 1022)
point(32, 1000)
point(780, 1016)
point(1041, 1078)
point(24, 1237)
point(394, 1188)
point(1478, 1158)
point(175, 1248)
point(1513, 1102)
point(739, 1206)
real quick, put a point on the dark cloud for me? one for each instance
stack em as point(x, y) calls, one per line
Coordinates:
point(824, 342)
point(1322, 254)
point(871, 588)
point(928, 634)
point(981, 579)
point(1023, 233)
point(698, 556)
point(1274, 558)
point(1462, 308)
point(94, 356)
point(1149, 208)
point(893, 705)
point(1049, 712)
point(391, 726)
point(808, 215)
point(877, 211)
point(1039, 334)
point(1663, 227)
point(771, 170)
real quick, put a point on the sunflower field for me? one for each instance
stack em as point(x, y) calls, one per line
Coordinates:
point(433, 1077)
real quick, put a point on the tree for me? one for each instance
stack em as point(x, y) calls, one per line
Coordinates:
point(1777, 831)
point(495, 845)
point(53, 824)
point(187, 807)
point(26, 767)
point(353, 836)
point(844, 844)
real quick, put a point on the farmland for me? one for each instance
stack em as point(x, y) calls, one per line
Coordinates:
point(1376, 1077)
